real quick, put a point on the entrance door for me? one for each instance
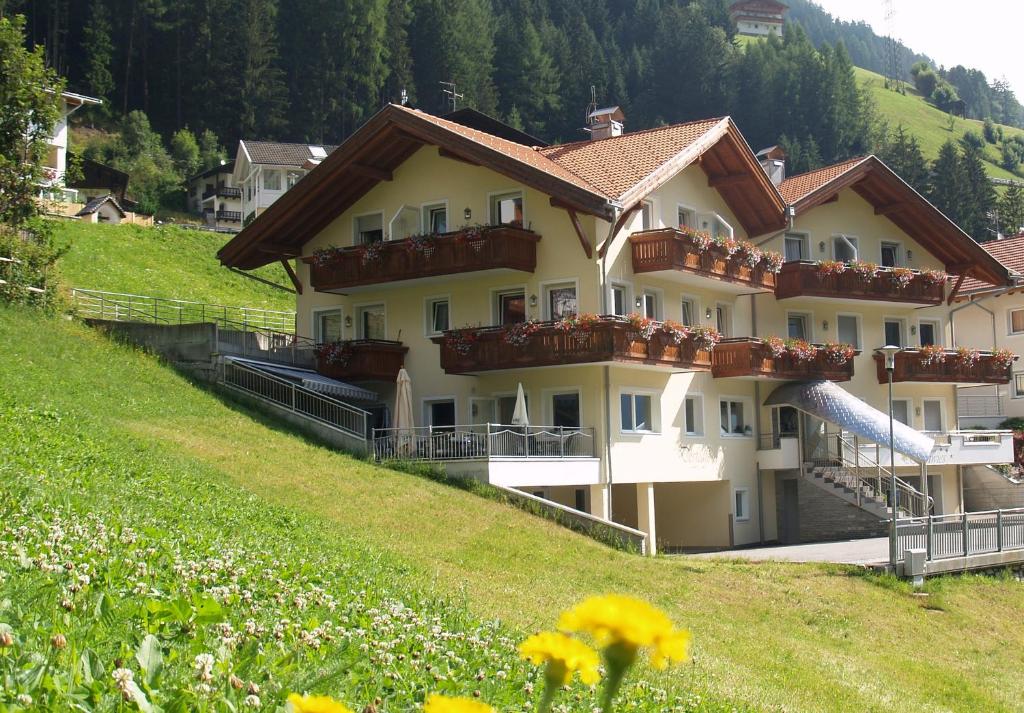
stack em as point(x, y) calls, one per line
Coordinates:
point(565, 409)
point(789, 528)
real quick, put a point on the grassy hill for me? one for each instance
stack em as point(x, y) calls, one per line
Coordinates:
point(164, 261)
point(134, 448)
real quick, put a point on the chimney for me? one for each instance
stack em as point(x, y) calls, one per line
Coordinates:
point(773, 161)
point(605, 123)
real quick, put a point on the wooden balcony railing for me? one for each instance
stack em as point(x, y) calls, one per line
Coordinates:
point(364, 360)
point(234, 216)
point(804, 279)
point(752, 357)
point(611, 339)
point(952, 368)
point(464, 251)
point(669, 249)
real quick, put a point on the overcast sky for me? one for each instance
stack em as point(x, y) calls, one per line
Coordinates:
point(983, 34)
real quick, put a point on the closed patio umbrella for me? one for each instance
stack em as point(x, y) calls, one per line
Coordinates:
point(404, 424)
point(519, 415)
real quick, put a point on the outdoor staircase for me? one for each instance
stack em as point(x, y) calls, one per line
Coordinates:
point(844, 483)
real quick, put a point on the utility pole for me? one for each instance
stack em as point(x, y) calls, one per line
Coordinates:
point(451, 96)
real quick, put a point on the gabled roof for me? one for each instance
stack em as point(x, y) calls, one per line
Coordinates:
point(892, 197)
point(474, 119)
point(226, 167)
point(1010, 254)
point(281, 154)
point(592, 177)
point(94, 205)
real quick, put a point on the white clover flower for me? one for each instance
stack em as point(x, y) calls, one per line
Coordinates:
point(252, 701)
point(122, 676)
point(24, 699)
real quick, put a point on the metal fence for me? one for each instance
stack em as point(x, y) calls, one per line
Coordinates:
point(298, 399)
point(961, 535)
point(483, 441)
point(122, 307)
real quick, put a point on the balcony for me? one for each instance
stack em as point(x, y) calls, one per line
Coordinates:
point(361, 360)
point(778, 451)
point(678, 257)
point(472, 250)
point(756, 358)
point(230, 216)
point(223, 192)
point(808, 279)
point(604, 340)
point(961, 366)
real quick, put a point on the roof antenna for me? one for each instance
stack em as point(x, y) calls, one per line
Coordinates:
point(591, 107)
point(451, 96)
point(405, 97)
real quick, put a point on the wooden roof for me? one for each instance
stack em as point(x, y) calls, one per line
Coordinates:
point(892, 197)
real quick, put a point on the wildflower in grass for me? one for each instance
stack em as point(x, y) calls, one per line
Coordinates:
point(564, 656)
point(436, 703)
point(316, 704)
point(621, 626)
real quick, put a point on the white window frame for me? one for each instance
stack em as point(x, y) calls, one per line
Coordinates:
point(694, 301)
point(496, 298)
point(425, 209)
point(266, 173)
point(426, 401)
point(937, 324)
point(649, 206)
point(805, 240)
point(355, 225)
point(852, 241)
point(655, 415)
point(1009, 322)
point(1016, 393)
point(901, 254)
point(745, 498)
point(491, 218)
point(545, 308)
point(942, 414)
point(357, 321)
point(730, 319)
point(748, 410)
point(860, 328)
point(698, 415)
point(627, 293)
point(428, 313)
point(910, 409)
point(903, 329)
point(808, 318)
point(548, 407)
point(681, 207)
point(315, 316)
point(659, 302)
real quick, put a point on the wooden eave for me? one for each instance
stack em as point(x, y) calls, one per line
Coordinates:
point(877, 184)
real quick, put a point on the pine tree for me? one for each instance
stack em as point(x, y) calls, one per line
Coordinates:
point(526, 74)
point(1011, 210)
point(99, 52)
point(902, 153)
point(948, 182)
point(399, 56)
point(262, 95)
point(979, 196)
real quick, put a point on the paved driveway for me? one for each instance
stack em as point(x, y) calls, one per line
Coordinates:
point(870, 551)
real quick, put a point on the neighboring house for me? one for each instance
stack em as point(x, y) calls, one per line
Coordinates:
point(266, 170)
point(104, 209)
point(990, 317)
point(215, 195)
point(56, 163)
point(98, 179)
point(468, 257)
point(758, 18)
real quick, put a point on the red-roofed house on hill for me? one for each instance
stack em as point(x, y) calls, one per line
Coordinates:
point(674, 316)
point(758, 18)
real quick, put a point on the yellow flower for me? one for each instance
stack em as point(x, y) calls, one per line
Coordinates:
point(437, 703)
point(564, 656)
point(628, 624)
point(316, 704)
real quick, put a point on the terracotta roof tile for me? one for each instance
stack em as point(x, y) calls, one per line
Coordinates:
point(796, 187)
point(616, 164)
point(280, 154)
point(1009, 252)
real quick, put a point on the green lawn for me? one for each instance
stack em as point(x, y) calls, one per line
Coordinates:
point(163, 261)
point(99, 428)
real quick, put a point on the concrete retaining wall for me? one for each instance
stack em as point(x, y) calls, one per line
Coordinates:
point(174, 342)
point(985, 489)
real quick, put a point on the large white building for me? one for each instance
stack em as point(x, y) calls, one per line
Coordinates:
point(758, 18)
point(55, 165)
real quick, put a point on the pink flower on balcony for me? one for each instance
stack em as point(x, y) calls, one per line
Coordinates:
point(866, 271)
point(837, 353)
point(932, 354)
point(775, 346)
point(1003, 358)
point(772, 261)
point(676, 332)
point(801, 351)
point(705, 339)
point(967, 358)
point(831, 268)
point(645, 327)
point(934, 277)
point(901, 277)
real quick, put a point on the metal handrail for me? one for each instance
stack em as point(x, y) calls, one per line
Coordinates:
point(483, 441)
point(119, 306)
point(344, 417)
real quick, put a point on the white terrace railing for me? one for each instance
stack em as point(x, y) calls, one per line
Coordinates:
point(483, 442)
point(961, 535)
point(121, 307)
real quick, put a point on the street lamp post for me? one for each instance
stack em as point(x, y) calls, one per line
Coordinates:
point(889, 351)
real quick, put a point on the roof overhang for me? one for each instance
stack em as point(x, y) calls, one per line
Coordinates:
point(376, 149)
point(911, 212)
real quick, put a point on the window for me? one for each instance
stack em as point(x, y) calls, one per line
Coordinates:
point(327, 325)
point(650, 305)
point(693, 416)
point(741, 504)
point(371, 322)
point(511, 307)
point(929, 332)
point(686, 218)
point(620, 300)
point(581, 499)
point(1016, 321)
point(272, 180)
point(844, 248)
point(901, 411)
point(723, 320)
point(507, 209)
point(560, 301)
point(932, 415)
point(798, 326)
point(1018, 385)
point(565, 410)
point(891, 255)
point(848, 330)
point(292, 177)
point(369, 229)
point(689, 312)
point(796, 248)
point(647, 215)
point(438, 319)
point(731, 412)
point(894, 332)
point(440, 413)
point(435, 219)
point(636, 413)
